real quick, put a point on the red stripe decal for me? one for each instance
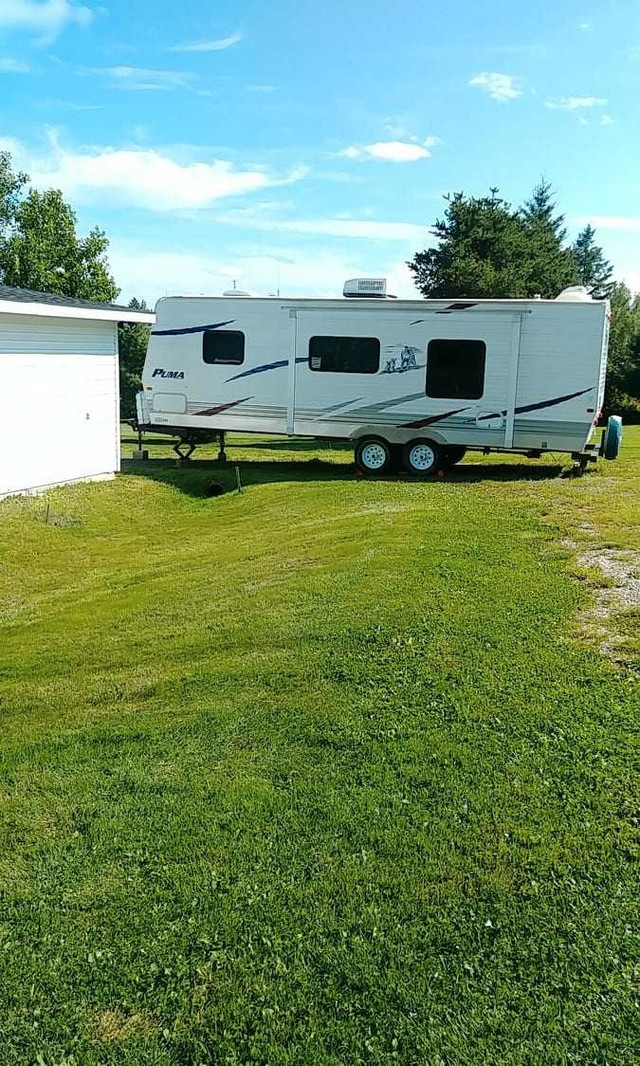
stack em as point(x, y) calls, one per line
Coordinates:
point(420, 422)
point(221, 407)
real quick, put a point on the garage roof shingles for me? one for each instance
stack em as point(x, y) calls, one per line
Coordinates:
point(27, 296)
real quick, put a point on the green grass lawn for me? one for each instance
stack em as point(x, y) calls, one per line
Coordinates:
point(316, 773)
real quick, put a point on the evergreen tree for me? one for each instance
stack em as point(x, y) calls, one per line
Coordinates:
point(549, 266)
point(594, 271)
point(480, 250)
point(487, 249)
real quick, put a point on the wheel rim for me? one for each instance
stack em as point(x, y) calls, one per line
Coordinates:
point(373, 456)
point(422, 457)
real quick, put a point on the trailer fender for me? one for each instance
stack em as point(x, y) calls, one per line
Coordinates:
point(394, 434)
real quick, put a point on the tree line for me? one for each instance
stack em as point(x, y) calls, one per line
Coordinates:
point(487, 248)
point(484, 248)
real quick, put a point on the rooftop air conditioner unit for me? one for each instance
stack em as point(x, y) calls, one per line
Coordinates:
point(574, 293)
point(366, 288)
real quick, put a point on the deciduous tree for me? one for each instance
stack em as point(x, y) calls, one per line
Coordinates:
point(43, 251)
point(133, 338)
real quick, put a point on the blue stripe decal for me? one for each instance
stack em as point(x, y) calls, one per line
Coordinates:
point(552, 403)
point(189, 329)
point(337, 406)
point(264, 366)
point(535, 406)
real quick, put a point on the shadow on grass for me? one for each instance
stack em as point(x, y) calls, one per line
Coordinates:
point(287, 444)
point(196, 476)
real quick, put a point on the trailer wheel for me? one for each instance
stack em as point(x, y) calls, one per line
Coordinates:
point(422, 457)
point(373, 455)
point(612, 438)
point(453, 454)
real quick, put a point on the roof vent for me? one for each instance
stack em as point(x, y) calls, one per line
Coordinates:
point(366, 288)
point(235, 291)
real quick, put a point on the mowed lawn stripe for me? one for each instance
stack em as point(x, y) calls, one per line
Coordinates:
point(315, 773)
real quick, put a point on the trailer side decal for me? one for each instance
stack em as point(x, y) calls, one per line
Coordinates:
point(400, 358)
point(222, 407)
point(279, 363)
point(337, 406)
point(455, 307)
point(538, 406)
point(446, 311)
point(421, 422)
point(189, 329)
point(373, 408)
point(552, 403)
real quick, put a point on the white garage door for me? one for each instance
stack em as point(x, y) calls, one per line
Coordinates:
point(59, 401)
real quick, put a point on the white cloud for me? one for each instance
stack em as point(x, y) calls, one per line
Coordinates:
point(143, 178)
point(632, 279)
point(218, 45)
point(391, 151)
point(585, 26)
point(154, 273)
point(501, 87)
point(143, 78)
point(13, 66)
point(348, 228)
point(574, 103)
point(606, 120)
point(616, 222)
point(44, 17)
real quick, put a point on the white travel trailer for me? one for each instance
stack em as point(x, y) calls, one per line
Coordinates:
point(418, 381)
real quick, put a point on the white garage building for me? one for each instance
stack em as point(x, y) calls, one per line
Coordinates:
point(60, 391)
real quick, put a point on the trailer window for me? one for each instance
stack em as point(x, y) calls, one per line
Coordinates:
point(223, 346)
point(344, 355)
point(455, 369)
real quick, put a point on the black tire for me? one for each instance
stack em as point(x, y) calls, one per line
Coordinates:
point(422, 457)
point(372, 455)
point(453, 453)
point(612, 438)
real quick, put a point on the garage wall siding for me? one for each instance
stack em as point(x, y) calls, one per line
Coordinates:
point(59, 400)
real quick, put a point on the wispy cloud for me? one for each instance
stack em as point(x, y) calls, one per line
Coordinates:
point(13, 66)
point(574, 103)
point(366, 229)
point(47, 18)
point(607, 120)
point(142, 178)
point(220, 44)
point(616, 222)
point(144, 79)
point(391, 151)
point(500, 87)
point(585, 27)
point(163, 272)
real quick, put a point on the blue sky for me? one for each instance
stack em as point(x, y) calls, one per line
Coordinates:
point(295, 144)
